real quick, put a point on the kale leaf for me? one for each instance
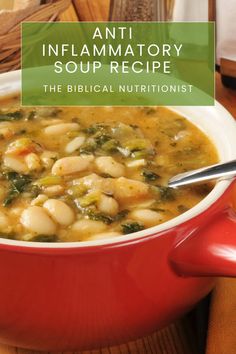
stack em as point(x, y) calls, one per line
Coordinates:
point(166, 193)
point(150, 176)
point(11, 116)
point(44, 238)
point(18, 184)
point(107, 219)
point(130, 227)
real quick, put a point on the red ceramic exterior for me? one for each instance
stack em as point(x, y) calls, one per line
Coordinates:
point(80, 298)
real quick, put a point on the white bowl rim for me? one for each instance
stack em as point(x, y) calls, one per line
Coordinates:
point(13, 84)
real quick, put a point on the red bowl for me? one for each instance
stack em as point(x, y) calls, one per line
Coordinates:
point(86, 295)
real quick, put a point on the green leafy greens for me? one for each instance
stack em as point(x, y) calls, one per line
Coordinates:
point(11, 116)
point(18, 184)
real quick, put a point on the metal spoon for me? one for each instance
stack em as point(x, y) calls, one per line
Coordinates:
point(226, 170)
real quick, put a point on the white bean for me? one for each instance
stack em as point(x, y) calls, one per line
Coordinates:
point(143, 204)
point(70, 165)
point(54, 190)
point(93, 181)
point(104, 235)
point(6, 132)
point(146, 216)
point(182, 135)
point(48, 158)
point(33, 162)
point(62, 128)
point(108, 205)
point(36, 219)
point(106, 164)
point(40, 199)
point(16, 211)
point(74, 144)
point(89, 158)
point(46, 111)
point(127, 189)
point(108, 186)
point(136, 163)
point(15, 164)
point(86, 226)
point(59, 211)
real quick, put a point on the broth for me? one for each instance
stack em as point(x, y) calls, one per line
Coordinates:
point(86, 173)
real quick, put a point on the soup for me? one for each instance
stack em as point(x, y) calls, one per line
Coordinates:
point(87, 173)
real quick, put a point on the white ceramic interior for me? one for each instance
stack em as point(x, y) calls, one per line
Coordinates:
point(215, 121)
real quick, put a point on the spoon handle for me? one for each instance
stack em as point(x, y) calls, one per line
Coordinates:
point(226, 170)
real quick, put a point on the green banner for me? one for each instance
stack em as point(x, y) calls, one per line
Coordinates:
point(117, 63)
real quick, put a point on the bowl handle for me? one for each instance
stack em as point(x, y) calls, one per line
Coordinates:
point(209, 251)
